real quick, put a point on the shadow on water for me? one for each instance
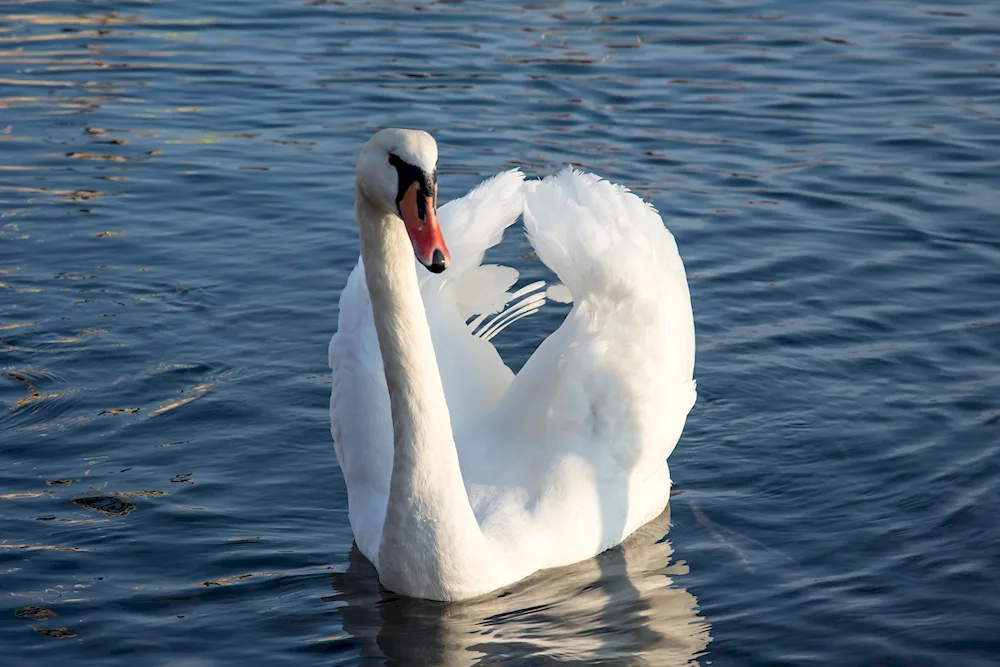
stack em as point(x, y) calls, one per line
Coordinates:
point(619, 608)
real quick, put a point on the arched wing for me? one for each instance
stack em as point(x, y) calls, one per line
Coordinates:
point(614, 383)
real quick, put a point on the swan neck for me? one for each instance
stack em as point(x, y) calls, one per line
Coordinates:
point(431, 542)
point(411, 371)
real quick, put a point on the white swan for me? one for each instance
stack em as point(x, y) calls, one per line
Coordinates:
point(462, 477)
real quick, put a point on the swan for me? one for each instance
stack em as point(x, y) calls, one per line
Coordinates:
point(463, 477)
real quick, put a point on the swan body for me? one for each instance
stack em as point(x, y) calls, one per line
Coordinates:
point(462, 477)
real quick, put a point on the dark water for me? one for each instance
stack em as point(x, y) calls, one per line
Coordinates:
point(176, 192)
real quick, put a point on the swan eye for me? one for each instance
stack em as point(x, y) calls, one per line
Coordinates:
point(410, 174)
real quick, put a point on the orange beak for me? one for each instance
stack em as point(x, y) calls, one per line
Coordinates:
point(420, 218)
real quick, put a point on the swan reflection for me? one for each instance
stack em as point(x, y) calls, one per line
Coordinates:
point(618, 608)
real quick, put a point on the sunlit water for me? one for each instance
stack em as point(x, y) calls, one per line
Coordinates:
point(176, 190)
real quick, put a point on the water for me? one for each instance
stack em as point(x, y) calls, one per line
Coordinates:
point(176, 191)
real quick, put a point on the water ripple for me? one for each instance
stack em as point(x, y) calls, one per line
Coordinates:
point(175, 223)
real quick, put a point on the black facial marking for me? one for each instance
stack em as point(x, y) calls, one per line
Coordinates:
point(422, 208)
point(408, 175)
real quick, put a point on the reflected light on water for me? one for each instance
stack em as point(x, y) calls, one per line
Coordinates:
point(621, 607)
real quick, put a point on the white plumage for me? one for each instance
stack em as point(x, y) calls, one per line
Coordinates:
point(559, 462)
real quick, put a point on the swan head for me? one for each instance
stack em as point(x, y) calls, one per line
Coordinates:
point(397, 172)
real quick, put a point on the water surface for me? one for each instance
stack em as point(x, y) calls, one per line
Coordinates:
point(176, 197)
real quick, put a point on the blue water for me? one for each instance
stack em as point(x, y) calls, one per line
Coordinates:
point(176, 196)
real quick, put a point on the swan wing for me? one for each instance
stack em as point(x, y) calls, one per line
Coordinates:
point(586, 426)
point(473, 374)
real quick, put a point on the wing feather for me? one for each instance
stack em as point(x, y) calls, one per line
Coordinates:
point(617, 374)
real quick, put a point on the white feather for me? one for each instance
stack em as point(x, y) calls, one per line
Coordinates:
point(569, 457)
